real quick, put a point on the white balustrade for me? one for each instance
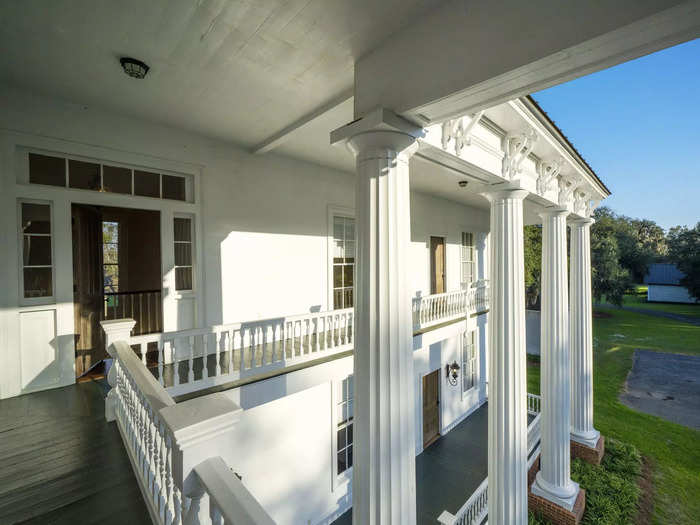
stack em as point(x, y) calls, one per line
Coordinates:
point(434, 309)
point(475, 509)
point(190, 360)
point(179, 483)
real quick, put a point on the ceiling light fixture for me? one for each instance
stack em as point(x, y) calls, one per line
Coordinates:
point(463, 183)
point(134, 68)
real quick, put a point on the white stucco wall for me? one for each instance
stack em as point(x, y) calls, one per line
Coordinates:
point(669, 294)
point(261, 229)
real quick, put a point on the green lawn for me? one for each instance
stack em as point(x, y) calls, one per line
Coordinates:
point(673, 449)
point(640, 301)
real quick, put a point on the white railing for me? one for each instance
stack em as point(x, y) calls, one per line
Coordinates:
point(167, 446)
point(434, 309)
point(189, 360)
point(475, 509)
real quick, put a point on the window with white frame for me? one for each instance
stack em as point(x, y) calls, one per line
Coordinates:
point(468, 259)
point(183, 252)
point(37, 260)
point(343, 261)
point(468, 360)
point(344, 421)
point(110, 257)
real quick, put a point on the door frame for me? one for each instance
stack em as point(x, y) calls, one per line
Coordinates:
point(436, 371)
point(431, 262)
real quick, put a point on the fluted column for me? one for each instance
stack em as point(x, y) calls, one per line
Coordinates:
point(507, 432)
point(384, 489)
point(553, 481)
point(582, 429)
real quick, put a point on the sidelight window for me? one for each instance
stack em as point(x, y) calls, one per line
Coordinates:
point(37, 259)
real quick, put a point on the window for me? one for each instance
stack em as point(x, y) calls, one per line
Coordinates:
point(110, 257)
point(468, 360)
point(95, 176)
point(468, 259)
point(47, 170)
point(183, 253)
point(344, 419)
point(37, 265)
point(343, 261)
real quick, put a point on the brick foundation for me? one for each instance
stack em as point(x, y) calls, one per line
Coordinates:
point(588, 454)
point(549, 510)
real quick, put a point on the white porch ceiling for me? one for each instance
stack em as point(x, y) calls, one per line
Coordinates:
point(239, 71)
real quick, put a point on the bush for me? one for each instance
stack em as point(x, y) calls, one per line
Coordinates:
point(611, 488)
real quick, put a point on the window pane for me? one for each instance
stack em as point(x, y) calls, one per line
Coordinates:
point(83, 175)
point(37, 282)
point(350, 251)
point(183, 254)
point(146, 184)
point(116, 180)
point(338, 228)
point(349, 456)
point(110, 254)
point(183, 278)
point(349, 229)
point(173, 187)
point(341, 462)
point(110, 232)
point(36, 218)
point(349, 434)
point(348, 298)
point(337, 299)
point(337, 276)
point(348, 271)
point(47, 170)
point(341, 438)
point(111, 278)
point(37, 250)
point(183, 229)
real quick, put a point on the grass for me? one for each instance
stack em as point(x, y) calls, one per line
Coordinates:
point(640, 301)
point(674, 450)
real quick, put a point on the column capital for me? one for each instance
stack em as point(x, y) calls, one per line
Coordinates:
point(379, 134)
point(554, 211)
point(507, 192)
point(582, 221)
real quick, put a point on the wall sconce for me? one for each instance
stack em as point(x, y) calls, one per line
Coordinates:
point(452, 372)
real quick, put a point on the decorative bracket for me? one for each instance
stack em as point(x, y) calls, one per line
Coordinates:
point(516, 148)
point(590, 208)
point(546, 173)
point(581, 203)
point(455, 129)
point(567, 186)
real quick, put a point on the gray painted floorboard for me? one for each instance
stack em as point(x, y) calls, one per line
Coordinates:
point(62, 463)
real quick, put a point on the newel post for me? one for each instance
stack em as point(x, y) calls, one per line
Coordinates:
point(115, 330)
point(201, 429)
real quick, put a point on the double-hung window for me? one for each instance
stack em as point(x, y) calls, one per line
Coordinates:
point(343, 261)
point(468, 260)
point(344, 421)
point(468, 360)
point(183, 253)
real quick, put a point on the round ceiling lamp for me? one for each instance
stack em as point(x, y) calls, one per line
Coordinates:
point(134, 68)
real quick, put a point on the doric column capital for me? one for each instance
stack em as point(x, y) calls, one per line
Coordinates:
point(505, 193)
point(554, 211)
point(584, 222)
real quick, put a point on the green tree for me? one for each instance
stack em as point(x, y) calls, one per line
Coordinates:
point(684, 251)
point(533, 265)
point(609, 278)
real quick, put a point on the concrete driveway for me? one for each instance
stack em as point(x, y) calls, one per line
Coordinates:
point(665, 385)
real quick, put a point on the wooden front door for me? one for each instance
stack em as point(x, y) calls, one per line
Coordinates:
point(431, 407)
point(437, 265)
point(87, 287)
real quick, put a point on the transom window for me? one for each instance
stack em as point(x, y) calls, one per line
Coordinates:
point(467, 259)
point(183, 253)
point(37, 260)
point(343, 261)
point(345, 418)
point(468, 360)
point(97, 176)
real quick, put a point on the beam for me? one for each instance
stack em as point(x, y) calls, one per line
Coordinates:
point(468, 56)
point(283, 135)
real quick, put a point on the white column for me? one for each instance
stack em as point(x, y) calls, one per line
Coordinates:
point(384, 490)
point(553, 481)
point(507, 499)
point(582, 429)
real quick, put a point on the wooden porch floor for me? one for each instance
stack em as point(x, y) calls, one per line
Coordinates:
point(449, 470)
point(62, 463)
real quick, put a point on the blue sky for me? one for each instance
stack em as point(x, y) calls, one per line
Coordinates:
point(638, 126)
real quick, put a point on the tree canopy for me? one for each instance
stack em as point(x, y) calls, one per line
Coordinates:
point(684, 251)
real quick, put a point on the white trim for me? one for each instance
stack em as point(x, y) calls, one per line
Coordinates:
point(444, 237)
point(476, 406)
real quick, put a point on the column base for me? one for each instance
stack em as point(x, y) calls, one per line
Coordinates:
point(588, 439)
point(555, 513)
point(587, 453)
point(562, 497)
